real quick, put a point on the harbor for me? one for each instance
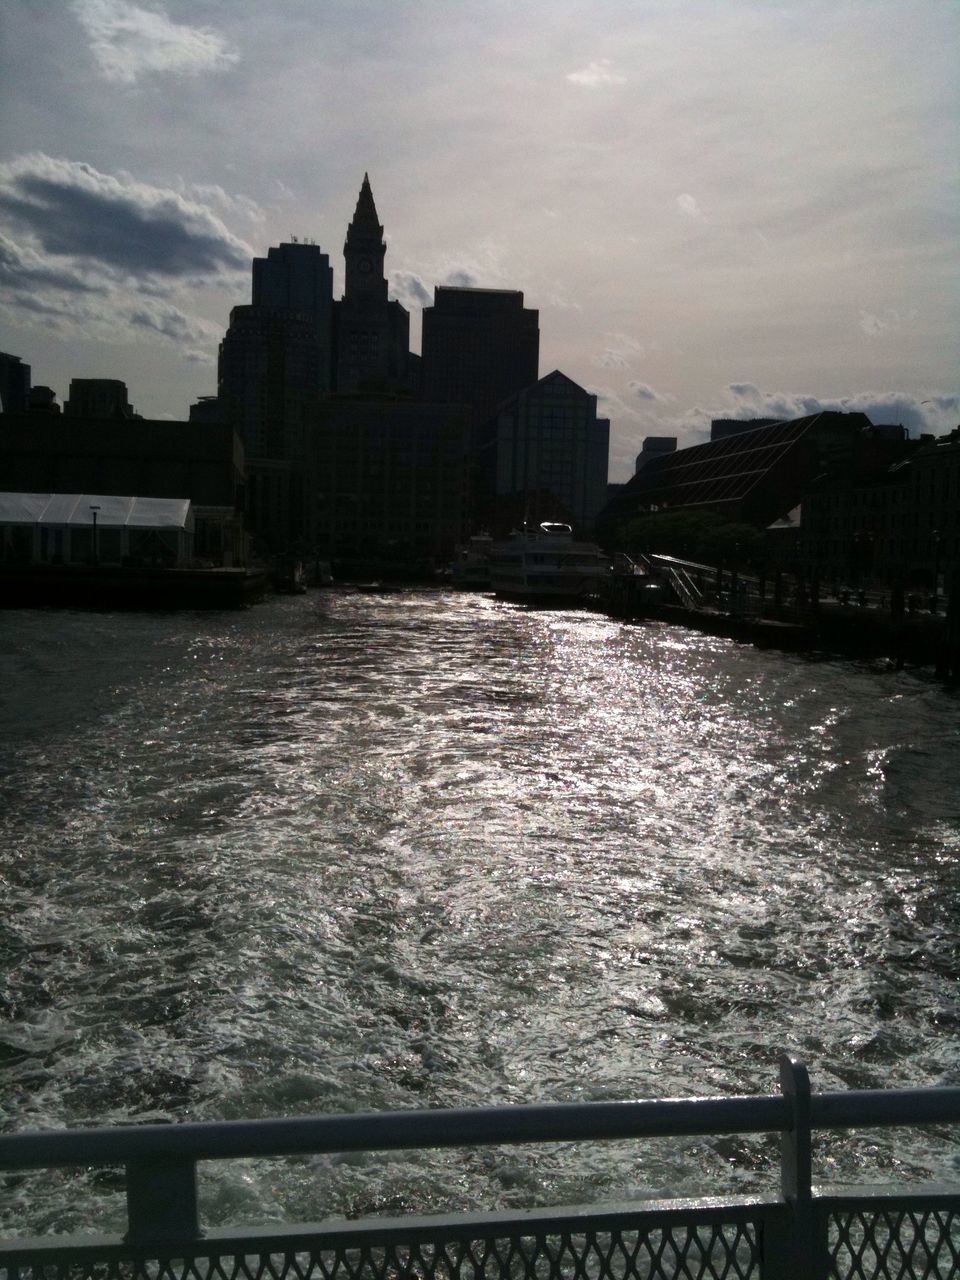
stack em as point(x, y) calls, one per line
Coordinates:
point(357, 852)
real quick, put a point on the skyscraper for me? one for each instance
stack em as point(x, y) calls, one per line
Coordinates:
point(372, 334)
point(479, 347)
point(297, 277)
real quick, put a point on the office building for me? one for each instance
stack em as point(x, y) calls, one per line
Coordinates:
point(297, 277)
point(547, 450)
point(386, 479)
point(480, 346)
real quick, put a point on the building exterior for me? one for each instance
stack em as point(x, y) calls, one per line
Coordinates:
point(90, 528)
point(372, 334)
point(268, 385)
point(888, 524)
point(721, 428)
point(754, 476)
point(98, 398)
point(546, 446)
point(386, 479)
point(268, 376)
point(654, 447)
point(480, 346)
point(14, 384)
point(54, 453)
point(297, 277)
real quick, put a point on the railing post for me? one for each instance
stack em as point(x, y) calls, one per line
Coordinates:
point(162, 1201)
point(796, 1171)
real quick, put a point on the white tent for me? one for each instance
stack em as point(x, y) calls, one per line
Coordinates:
point(101, 528)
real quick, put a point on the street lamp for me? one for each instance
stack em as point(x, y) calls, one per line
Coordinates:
point(96, 558)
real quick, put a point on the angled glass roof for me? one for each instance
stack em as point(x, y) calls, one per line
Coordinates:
point(113, 512)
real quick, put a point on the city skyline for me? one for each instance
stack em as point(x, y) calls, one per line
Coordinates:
point(718, 210)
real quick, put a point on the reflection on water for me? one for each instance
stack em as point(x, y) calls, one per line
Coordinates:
point(347, 852)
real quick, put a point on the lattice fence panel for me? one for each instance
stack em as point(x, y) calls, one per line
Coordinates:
point(672, 1251)
point(894, 1244)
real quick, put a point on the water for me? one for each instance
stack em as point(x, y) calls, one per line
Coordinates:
point(345, 852)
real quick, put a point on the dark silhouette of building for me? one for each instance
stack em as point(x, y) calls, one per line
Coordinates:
point(654, 447)
point(14, 383)
point(269, 379)
point(372, 334)
point(297, 277)
point(721, 428)
point(98, 398)
point(480, 346)
point(548, 451)
point(386, 479)
point(892, 518)
point(754, 476)
point(43, 452)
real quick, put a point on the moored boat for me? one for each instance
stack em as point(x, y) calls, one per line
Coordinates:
point(548, 566)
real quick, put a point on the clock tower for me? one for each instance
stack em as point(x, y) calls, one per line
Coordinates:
point(364, 250)
point(372, 334)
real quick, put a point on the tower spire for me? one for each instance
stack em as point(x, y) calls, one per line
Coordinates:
point(365, 219)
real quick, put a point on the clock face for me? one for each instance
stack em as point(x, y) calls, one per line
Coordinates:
point(365, 265)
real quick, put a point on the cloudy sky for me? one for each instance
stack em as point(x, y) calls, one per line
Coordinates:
point(719, 207)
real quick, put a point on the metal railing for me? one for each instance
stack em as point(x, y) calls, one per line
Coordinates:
point(799, 1234)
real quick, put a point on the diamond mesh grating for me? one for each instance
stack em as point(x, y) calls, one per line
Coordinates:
point(679, 1251)
point(894, 1244)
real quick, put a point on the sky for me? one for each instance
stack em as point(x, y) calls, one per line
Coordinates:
point(720, 208)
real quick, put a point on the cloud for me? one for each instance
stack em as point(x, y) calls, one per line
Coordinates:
point(23, 269)
point(688, 205)
point(619, 352)
point(460, 279)
point(644, 392)
point(102, 256)
point(73, 210)
point(919, 413)
point(891, 321)
point(128, 42)
point(171, 322)
point(596, 73)
point(409, 289)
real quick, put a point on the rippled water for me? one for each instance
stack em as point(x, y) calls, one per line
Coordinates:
point(344, 852)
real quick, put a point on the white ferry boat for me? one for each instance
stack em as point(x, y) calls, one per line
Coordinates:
point(471, 565)
point(548, 566)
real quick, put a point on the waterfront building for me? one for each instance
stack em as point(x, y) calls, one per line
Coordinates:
point(479, 347)
point(386, 479)
point(546, 448)
point(885, 522)
point(754, 476)
point(54, 453)
point(92, 528)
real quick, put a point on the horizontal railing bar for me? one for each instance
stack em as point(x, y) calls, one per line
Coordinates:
point(870, 1108)
point(399, 1130)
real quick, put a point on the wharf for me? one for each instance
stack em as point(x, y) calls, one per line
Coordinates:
point(915, 638)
